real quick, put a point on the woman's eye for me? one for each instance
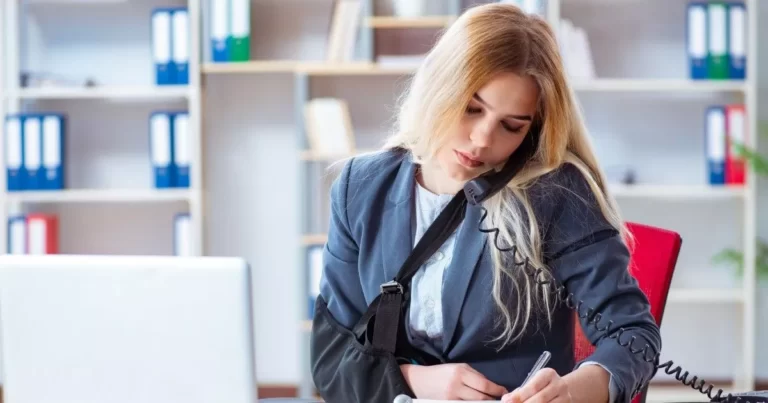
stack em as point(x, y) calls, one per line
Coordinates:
point(511, 129)
point(471, 110)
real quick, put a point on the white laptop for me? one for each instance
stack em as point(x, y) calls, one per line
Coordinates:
point(126, 329)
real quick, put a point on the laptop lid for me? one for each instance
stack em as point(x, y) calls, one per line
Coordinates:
point(126, 329)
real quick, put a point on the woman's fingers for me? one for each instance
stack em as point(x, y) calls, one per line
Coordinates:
point(480, 383)
point(542, 387)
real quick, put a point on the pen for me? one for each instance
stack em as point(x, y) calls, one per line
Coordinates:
point(540, 363)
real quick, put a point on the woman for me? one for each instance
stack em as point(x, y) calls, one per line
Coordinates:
point(493, 82)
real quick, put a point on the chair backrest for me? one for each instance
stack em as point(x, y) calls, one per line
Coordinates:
point(653, 257)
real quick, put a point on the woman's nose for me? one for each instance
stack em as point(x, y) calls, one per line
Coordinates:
point(481, 134)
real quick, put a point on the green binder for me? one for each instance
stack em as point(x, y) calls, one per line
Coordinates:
point(239, 39)
point(717, 41)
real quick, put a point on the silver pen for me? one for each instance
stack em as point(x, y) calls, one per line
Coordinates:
point(540, 363)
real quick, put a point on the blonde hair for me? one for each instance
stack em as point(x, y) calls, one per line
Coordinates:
point(484, 41)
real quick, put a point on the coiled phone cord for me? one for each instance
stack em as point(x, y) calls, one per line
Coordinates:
point(648, 354)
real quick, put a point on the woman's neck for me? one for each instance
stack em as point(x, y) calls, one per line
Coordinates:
point(432, 178)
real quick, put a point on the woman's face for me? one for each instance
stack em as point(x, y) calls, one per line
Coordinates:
point(493, 126)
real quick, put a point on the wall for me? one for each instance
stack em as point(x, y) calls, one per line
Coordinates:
point(252, 166)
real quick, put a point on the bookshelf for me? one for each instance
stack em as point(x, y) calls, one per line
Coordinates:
point(627, 79)
point(107, 168)
point(287, 63)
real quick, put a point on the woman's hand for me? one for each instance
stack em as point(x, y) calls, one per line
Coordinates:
point(546, 386)
point(450, 382)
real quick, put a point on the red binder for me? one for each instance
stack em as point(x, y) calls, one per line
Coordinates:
point(736, 129)
point(42, 234)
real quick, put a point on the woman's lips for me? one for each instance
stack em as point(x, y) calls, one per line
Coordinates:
point(466, 160)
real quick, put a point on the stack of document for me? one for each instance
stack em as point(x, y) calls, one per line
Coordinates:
point(169, 137)
point(576, 51)
point(33, 234)
point(170, 45)
point(529, 6)
point(716, 38)
point(34, 156)
point(230, 30)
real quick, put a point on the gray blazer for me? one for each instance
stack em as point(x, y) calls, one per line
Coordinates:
point(371, 234)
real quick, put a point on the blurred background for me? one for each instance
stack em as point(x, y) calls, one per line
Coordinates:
point(208, 127)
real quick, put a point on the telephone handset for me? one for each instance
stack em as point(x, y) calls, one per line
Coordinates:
point(485, 186)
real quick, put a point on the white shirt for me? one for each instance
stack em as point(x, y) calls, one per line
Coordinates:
point(426, 309)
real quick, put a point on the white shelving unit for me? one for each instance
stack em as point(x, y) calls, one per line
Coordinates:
point(107, 165)
point(623, 108)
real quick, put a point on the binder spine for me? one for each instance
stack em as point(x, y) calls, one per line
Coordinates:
point(33, 152)
point(736, 124)
point(161, 46)
point(240, 38)
point(14, 152)
point(715, 144)
point(180, 41)
point(53, 151)
point(17, 235)
point(220, 30)
point(42, 234)
point(697, 40)
point(737, 22)
point(181, 234)
point(181, 155)
point(161, 150)
point(717, 60)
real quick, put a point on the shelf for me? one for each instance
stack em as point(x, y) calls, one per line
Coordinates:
point(353, 68)
point(309, 155)
point(438, 21)
point(314, 239)
point(313, 68)
point(100, 196)
point(105, 92)
point(255, 66)
point(657, 85)
point(677, 192)
point(705, 295)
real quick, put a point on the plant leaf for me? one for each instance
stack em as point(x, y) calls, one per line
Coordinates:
point(758, 162)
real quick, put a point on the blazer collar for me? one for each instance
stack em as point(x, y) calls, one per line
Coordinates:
point(398, 226)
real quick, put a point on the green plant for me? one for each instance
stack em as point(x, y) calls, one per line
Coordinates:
point(735, 259)
point(759, 163)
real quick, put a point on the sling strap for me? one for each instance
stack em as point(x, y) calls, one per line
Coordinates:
point(394, 292)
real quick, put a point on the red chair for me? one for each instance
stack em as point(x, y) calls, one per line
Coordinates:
point(653, 257)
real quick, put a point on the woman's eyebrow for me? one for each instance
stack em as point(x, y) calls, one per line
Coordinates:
point(518, 117)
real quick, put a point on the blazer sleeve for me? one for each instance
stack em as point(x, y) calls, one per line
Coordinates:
point(588, 256)
point(340, 284)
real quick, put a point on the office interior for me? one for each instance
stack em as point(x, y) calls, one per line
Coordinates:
point(264, 96)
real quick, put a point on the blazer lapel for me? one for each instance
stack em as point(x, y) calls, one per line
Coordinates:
point(470, 244)
point(397, 229)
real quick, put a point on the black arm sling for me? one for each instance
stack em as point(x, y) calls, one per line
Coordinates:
point(363, 364)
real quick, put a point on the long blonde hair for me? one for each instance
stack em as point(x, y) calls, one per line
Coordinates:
point(486, 40)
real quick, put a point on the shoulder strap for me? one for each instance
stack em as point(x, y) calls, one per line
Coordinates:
point(390, 300)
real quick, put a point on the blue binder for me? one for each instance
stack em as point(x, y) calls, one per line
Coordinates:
point(737, 49)
point(697, 40)
point(53, 151)
point(33, 152)
point(14, 152)
point(182, 235)
point(161, 46)
point(219, 30)
point(161, 149)
point(715, 127)
point(181, 157)
point(17, 235)
point(180, 45)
